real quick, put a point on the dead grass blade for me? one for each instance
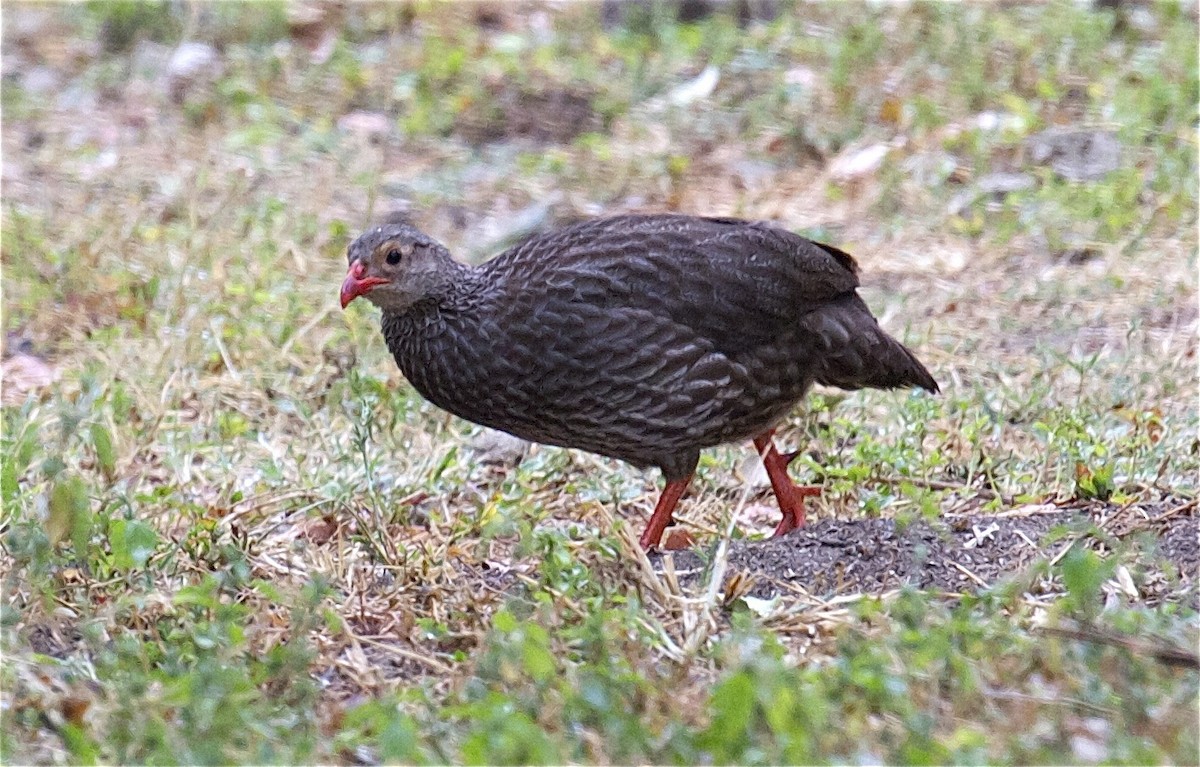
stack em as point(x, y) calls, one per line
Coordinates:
point(1159, 650)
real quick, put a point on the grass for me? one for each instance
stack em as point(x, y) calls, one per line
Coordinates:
point(232, 533)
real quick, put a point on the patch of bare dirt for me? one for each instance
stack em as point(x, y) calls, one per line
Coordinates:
point(551, 116)
point(966, 554)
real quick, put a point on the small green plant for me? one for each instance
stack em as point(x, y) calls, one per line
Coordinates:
point(230, 531)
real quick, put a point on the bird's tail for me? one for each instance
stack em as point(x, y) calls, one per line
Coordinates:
point(856, 353)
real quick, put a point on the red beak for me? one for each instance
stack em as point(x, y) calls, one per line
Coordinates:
point(356, 284)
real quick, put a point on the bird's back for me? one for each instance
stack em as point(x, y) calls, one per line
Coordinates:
point(641, 337)
point(729, 280)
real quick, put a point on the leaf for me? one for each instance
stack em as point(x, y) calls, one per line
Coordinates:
point(891, 110)
point(9, 481)
point(102, 443)
point(733, 712)
point(399, 739)
point(203, 594)
point(81, 529)
point(779, 709)
point(69, 511)
point(81, 747)
point(539, 663)
point(267, 589)
point(142, 541)
point(504, 621)
point(677, 539)
point(16, 461)
point(53, 466)
point(116, 542)
point(132, 542)
point(761, 607)
point(1094, 484)
point(333, 621)
point(1083, 573)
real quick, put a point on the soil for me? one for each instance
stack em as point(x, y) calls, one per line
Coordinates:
point(964, 554)
point(551, 116)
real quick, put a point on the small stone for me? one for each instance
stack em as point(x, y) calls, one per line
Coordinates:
point(805, 77)
point(996, 121)
point(995, 186)
point(372, 125)
point(1076, 155)
point(697, 89)
point(497, 448)
point(192, 65)
point(1087, 750)
point(1004, 183)
point(753, 173)
point(752, 470)
point(858, 163)
point(41, 80)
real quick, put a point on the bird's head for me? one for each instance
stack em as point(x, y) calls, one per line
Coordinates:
point(394, 266)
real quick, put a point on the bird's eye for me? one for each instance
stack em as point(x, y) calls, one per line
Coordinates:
point(397, 252)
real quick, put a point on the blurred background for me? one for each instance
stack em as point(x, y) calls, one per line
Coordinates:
point(216, 483)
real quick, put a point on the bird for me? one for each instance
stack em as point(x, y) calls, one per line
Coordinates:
point(641, 337)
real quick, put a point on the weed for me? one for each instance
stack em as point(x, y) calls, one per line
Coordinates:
point(232, 533)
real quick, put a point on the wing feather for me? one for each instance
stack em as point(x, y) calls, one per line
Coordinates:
point(733, 283)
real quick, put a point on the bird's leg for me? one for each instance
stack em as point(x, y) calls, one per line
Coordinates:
point(662, 515)
point(789, 495)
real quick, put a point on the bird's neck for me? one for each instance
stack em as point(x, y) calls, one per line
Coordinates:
point(449, 309)
point(438, 342)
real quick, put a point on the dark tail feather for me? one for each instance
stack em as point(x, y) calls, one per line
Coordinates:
point(896, 368)
point(857, 354)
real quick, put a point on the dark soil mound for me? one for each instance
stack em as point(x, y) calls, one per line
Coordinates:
point(962, 554)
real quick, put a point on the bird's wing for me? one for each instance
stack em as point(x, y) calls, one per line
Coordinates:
point(733, 283)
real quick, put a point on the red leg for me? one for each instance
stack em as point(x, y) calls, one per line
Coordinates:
point(790, 495)
point(663, 510)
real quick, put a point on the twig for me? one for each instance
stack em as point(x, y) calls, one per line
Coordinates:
point(979, 581)
point(1108, 523)
point(639, 554)
point(696, 524)
point(1073, 702)
point(388, 553)
point(1063, 551)
point(1026, 538)
point(254, 503)
point(1168, 654)
point(937, 484)
point(650, 578)
point(216, 335)
point(708, 606)
point(1080, 536)
point(1176, 511)
point(432, 663)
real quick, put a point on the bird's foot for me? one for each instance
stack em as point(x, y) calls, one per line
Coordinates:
point(791, 505)
point(789, 495)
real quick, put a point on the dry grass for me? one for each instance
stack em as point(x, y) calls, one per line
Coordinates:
point(176, 267)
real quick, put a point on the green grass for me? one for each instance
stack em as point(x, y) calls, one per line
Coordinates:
point(232, 533)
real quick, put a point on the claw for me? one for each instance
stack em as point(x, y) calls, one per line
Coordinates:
point(789, 495)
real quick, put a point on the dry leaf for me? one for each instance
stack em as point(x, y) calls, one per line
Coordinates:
point(676, 538)
point(23, 374)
